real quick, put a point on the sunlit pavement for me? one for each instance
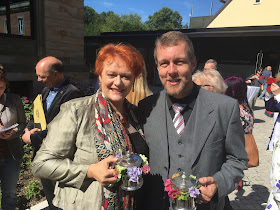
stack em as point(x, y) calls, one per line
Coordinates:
point(255, 194)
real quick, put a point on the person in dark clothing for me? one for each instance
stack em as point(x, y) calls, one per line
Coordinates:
point(57, 90)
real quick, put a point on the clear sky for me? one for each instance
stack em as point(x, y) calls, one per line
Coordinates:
point(144, 8)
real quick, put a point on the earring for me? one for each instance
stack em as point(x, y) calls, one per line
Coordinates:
point(133, 88)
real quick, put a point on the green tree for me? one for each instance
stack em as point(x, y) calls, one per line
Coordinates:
point(132, 22)
point(92, 21)
point(164, 19)
point(113, 22)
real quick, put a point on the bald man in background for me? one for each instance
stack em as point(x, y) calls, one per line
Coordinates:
point(50, 72)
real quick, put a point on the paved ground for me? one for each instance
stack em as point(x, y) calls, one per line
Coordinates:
point(255, 194)
point(252, 196)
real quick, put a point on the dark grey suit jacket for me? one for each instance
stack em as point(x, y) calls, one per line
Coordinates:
point(65, 93)
point(218, 148)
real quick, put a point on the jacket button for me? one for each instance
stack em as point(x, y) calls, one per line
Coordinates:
point(179, 156)
point(179, 142)
point(179, 169)
point(165, 168)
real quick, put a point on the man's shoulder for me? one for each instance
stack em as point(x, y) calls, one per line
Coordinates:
point(150, 99)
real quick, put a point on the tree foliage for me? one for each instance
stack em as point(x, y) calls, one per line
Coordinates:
point(95, 24)
point(164, 19)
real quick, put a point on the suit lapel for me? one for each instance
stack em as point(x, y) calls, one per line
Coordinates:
point(160, 108)
point(204, 123)
point(157, 124)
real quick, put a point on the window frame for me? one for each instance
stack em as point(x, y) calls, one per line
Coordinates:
point(8, 12)
point(20, 27)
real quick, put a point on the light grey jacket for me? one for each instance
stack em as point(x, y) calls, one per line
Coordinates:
point(218, 148)
point(66, 154)
point(13, 112)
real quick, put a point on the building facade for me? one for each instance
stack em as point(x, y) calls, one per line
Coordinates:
point(33, 29)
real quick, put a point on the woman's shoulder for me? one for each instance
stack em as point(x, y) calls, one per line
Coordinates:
point(82, 101)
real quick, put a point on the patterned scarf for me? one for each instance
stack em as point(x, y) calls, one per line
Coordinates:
point(111, 138)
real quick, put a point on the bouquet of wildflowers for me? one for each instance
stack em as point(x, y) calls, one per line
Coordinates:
point(175, 193)
point(132, 173)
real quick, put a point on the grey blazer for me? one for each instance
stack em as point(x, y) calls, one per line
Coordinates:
point(66, 153)
point(218, 148)
point(13, 112)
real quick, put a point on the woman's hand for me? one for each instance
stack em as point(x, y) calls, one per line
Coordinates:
point(102, 172)
point(6, 134)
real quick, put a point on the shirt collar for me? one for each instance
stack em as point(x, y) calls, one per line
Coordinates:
point(189, 100)
point(58, 86)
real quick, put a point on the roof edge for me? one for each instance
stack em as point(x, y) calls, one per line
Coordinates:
point(217, 13)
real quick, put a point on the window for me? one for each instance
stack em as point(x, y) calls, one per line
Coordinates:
point(5, 26)
point(257, 1)
point(20, 26)
point(16, 17)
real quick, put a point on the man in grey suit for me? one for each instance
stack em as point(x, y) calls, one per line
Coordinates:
point(210, 145)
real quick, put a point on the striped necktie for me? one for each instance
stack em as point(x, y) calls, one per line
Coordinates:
point(178, 119)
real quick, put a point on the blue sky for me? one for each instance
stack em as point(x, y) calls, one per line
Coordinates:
point(144, 8)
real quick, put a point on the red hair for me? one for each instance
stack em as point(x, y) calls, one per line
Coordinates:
point(128, 54)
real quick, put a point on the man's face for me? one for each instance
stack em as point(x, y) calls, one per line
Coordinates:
point(269, 68)
point(209, 66)
point(175, 69)
point(46, 77)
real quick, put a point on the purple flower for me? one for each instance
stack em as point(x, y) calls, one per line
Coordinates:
point(269, 206)
point(134, 173)
point(193, 192)
point(118, 155)
point(278, 184)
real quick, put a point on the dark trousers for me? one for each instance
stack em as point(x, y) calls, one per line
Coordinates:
point(48, 188)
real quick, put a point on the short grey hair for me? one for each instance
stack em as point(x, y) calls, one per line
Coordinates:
point(212, 61)
point(211, 77)
point(172, 38)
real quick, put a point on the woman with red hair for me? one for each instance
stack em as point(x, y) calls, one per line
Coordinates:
point(88, 133)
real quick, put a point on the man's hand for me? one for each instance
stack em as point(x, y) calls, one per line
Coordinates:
point(26, 136)
point(275, 89)
point(207, 190)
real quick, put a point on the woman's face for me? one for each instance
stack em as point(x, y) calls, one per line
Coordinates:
point(116, 81)
point(2, 87)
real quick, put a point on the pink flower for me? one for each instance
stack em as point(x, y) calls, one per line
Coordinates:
point(26, 99)
point(173, 193)
point(168, 185)
point(115, 173)
point(246, 116)
point(241, 113)
point(146, 169)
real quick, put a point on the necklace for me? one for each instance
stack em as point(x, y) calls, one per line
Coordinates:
point(122, 118)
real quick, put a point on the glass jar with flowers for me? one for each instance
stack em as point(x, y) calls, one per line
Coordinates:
point(183, 190)
point(129, 170)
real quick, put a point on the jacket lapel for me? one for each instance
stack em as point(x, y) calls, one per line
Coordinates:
point(157, 125)
point(204, 123)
